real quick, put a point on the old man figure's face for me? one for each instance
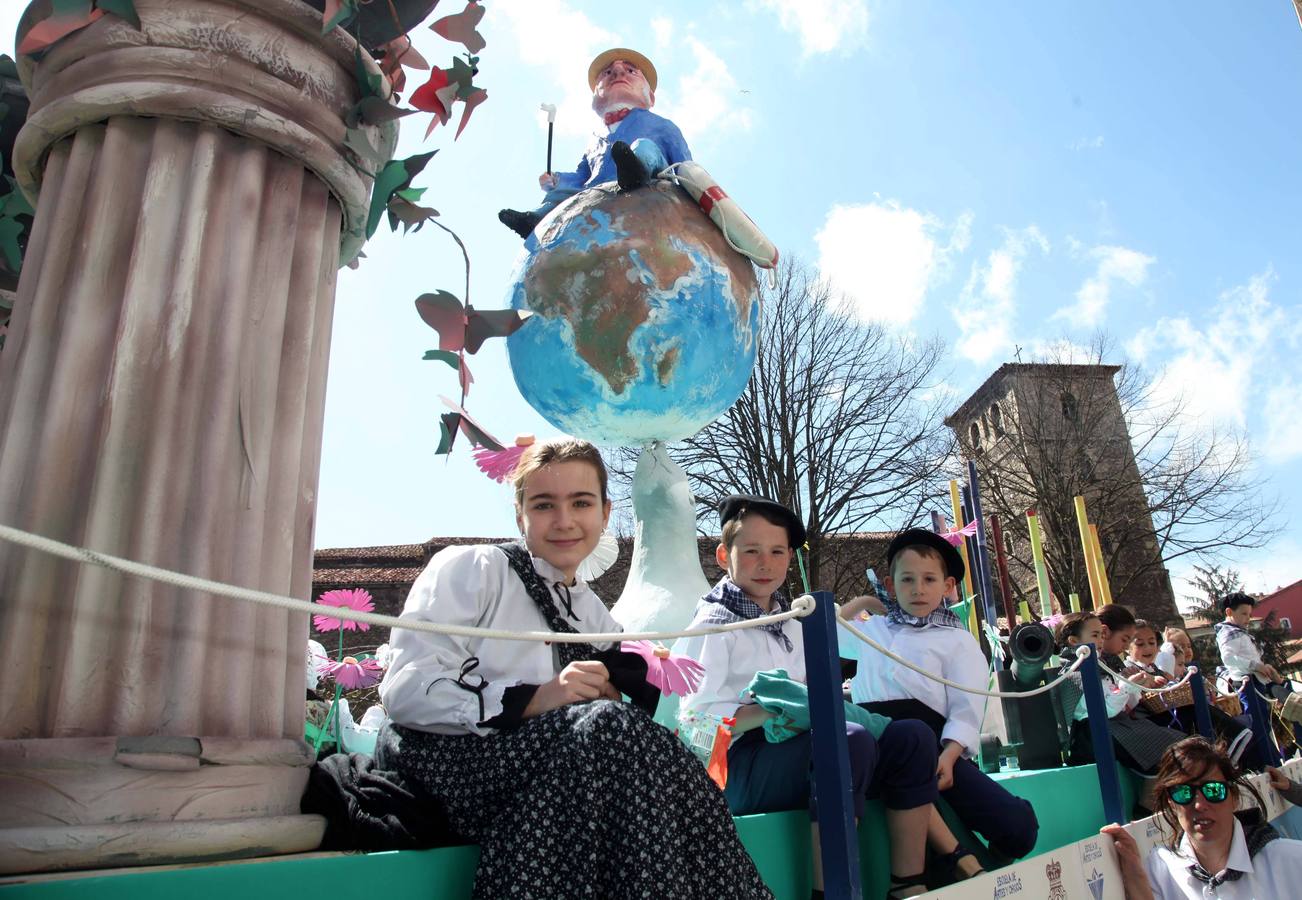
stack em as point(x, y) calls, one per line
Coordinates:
point(621, 84)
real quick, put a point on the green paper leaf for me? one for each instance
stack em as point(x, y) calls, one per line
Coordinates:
point(356, 140)
point(448, 425)
point(463, 75)
point(374, 111)
point(336, 12)
point(391, 178)
point(447, 356)
point(371, 83)
point(394, 177)
point(70, 7)
point(413, 194)
point(10, 230)
point(123, 9)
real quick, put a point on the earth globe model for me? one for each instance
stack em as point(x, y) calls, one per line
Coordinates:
point(645, 321)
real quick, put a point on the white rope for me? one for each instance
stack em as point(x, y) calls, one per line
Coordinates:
point(1081, 653)
point(800, 606)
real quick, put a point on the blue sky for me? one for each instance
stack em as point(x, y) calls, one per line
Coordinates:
point(999, 174)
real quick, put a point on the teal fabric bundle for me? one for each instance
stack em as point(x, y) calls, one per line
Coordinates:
point(788, 700)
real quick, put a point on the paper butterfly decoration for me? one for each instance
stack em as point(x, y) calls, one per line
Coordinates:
point(955, 535)
point(499, 464)
point(672, 673)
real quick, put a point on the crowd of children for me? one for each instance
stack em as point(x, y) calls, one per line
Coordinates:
point(534, 745)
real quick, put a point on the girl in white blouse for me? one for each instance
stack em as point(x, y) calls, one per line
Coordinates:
point(528, 746)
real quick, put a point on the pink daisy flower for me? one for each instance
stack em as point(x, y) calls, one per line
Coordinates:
point(348, 598)
point(351, 673)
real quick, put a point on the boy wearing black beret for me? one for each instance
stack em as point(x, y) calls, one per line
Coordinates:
point(918, 626)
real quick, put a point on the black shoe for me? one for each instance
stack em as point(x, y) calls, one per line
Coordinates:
point(629, 170)
point(522, 223)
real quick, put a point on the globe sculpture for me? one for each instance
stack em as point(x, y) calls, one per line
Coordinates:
point(645, 320)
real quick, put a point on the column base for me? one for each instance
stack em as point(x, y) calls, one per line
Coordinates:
point(76, 803)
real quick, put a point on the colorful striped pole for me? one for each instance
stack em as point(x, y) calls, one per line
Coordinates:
point(1005, 583)
point(1099, 565)
point(971, 546)
point(1041, 570)
point(982, 547)
point(1082, 522)
point(956, 508)
point(1074, 599)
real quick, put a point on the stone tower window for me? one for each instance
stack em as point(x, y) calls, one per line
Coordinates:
point(1070, 408)
point(976, 436)
point(997, 419)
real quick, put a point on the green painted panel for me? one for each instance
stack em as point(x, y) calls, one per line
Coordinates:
point(1066, 801)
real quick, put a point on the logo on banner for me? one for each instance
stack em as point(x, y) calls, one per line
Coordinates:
point(1095, 882)
point(1056, 890)
point(1007, 884)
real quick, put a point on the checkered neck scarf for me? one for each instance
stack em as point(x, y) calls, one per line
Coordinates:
point(1229, 628)
point(727, 603)
point(938, 616)
point(1256, 836)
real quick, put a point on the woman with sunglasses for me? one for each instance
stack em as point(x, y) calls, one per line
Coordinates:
point(1210, 852)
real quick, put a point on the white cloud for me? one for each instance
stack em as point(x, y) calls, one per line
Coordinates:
point(663, 29)
point(987, 304)
point(1115, 264)
point(823, 25)
point(553, 36)
point(883, 256)
point(705, 105)
point(1094, 143)
point(1219, 365)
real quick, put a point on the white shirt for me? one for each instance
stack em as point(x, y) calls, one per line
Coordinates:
point(951, 653)
point(476, 586)
point(1267, 876)
point(731, 660)
point(1239, 651)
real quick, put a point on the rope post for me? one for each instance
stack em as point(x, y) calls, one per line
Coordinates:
point(1202, 713)
point(838, 837)
point(1259, 713)
point(1105, 760)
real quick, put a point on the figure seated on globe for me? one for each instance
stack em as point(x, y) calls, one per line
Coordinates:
point(639, 148)
point(639, 145)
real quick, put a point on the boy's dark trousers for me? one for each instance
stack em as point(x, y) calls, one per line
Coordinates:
point(899, 767)
point(1268, 692)
point(1008, 823)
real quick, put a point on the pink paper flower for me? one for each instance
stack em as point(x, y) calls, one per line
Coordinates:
point(348, 598)
point(351, 673)
point(672, 673)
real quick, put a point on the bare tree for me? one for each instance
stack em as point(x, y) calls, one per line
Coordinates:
point(1160, 485)
point(840, 421)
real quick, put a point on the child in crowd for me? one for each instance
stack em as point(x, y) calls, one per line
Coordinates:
point(893, 760)
point(918, 626)
point(1139, 742)
point(1237, 737)
point(1175, 654)
point(1243, 663)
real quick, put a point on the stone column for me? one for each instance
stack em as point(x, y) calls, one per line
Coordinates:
point(161, 398)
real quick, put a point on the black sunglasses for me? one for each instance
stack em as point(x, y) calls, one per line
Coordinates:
point(1214, 791)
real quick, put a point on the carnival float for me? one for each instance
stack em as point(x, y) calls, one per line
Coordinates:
point(197, 173)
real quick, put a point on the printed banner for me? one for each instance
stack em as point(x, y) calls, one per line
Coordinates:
point(1088, 869)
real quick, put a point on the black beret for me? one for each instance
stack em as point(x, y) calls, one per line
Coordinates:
point(737, 504)
point(1229, 601)
point(912, 537)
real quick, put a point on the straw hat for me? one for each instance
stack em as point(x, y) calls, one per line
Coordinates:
point(604, 59)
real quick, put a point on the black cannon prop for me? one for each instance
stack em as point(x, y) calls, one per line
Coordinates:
point(1031, 721)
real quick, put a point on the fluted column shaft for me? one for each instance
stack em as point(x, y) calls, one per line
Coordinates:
point(161, 398)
